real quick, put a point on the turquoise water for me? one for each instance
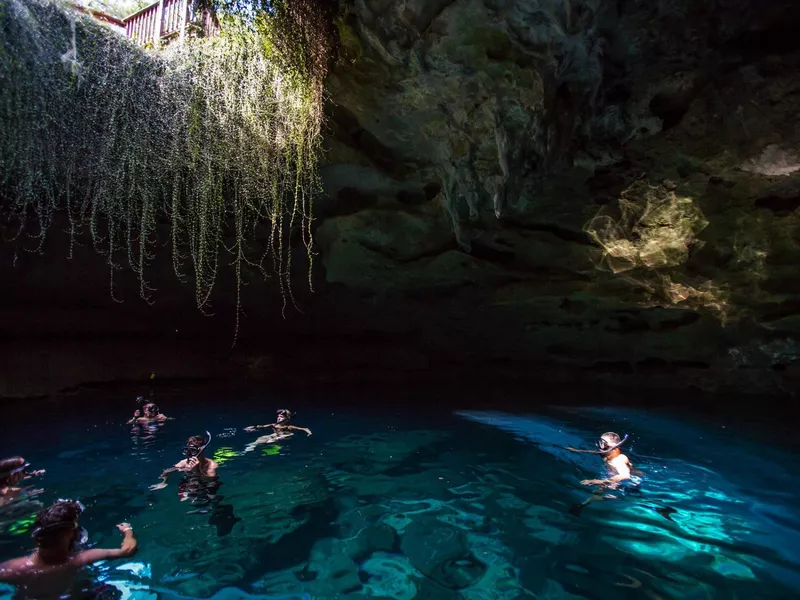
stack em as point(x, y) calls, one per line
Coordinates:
point(416, 503)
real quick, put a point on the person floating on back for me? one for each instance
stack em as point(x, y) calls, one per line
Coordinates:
point(50, 569)
point(282, 429)
point(195, 462)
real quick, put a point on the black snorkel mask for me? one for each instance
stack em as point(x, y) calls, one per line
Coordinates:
point(195, 451)
point(605, 446)
point(148, 408)
point(81, 535)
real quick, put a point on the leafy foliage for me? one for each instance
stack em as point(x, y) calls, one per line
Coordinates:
point(212, 144)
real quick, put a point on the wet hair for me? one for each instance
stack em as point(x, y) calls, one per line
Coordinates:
point(613, 438)
point(52, 522)
point(7, 465)
point(196, 440)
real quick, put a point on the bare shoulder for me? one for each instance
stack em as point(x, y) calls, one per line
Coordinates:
point(13, 568)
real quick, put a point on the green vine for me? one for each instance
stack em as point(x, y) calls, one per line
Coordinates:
point(213, 137)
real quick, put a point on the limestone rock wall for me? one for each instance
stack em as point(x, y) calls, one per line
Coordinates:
point(557, 190)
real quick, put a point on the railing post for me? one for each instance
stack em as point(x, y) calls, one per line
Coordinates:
point(184, 18)
point(159, 24)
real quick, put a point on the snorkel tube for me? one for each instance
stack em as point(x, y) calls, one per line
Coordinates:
point(605, 447)
point(194, 451)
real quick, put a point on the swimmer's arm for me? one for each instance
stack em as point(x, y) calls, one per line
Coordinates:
point(623, 474)
point(254, 427)
point(165, 475)
point(571, 449)
point(308, 431)
point(127, 548)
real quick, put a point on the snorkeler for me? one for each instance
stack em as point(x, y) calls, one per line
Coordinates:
point(618, 464)
point(13, 471)
point(282, 423)
point(619, 469)
point(195, 462)
point(200, 484)
point(621, 475)
point(49, 570)
point(282, 429)
point(149, 413)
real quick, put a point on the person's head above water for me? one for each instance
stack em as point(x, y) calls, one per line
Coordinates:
point(610, 442)
point(284, 416)
point(12, 470)
point(56, 527)
point(195, 445)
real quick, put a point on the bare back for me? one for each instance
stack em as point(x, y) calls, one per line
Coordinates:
point(35, 579)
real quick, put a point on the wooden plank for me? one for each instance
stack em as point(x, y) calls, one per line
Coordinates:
point(184, 10)
point(159, 24)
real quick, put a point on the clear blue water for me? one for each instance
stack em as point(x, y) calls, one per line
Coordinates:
point(412, 503)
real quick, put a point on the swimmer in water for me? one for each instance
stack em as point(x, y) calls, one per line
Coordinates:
point(619, 465)
point(281, 425)
point(195, 462)
point(13, 471)
point(150, 413)
point(282, 429)
point(50, 569)
point(619, 469)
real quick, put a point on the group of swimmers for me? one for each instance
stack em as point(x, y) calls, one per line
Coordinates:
point(57, 534)
point(59, 538)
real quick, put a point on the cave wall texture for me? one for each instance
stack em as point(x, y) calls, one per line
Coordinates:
point(603, 191)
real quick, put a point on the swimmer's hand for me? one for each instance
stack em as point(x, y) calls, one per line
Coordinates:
point(592, 482)
point(251, 428)
point(123, 527)
point(158, 486)
point(35, 473)
point(191, 463)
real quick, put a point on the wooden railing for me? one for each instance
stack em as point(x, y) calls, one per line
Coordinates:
point(166, 18)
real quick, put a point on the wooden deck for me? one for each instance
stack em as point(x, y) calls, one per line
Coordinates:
point(165, 20)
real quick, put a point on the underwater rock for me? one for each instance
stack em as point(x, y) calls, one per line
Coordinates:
point(390, 576)
point(441, 552)
point(227, 593)
point(372, 538)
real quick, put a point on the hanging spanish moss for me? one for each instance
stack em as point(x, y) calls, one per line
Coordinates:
point(191, 148)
